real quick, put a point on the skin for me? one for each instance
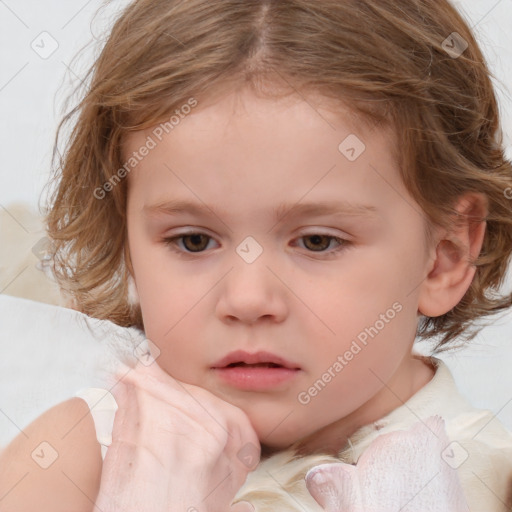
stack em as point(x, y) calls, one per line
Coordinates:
point(242, 155)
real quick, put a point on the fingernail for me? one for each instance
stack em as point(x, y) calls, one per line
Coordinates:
point(243, 506)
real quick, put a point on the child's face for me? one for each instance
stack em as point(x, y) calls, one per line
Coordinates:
point(345, 314)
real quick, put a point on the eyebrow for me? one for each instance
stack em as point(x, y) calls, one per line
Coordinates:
point(342, 208)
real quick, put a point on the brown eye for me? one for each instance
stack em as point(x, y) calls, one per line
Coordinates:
point(188, 243)
point(195, 242)
point(317, 242)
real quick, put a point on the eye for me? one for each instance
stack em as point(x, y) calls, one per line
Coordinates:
point(319, 243)
point(192, 242)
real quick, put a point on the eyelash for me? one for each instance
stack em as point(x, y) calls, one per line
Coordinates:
point(171, 242)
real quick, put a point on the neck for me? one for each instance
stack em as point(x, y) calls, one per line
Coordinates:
point(414, 374)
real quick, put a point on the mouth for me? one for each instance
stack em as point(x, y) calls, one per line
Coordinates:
point(254, 365)
point(240, 358)
point(255, 372)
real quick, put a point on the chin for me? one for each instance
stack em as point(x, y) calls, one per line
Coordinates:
point(275, 439)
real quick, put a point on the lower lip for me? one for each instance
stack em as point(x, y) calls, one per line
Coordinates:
point(255, 378)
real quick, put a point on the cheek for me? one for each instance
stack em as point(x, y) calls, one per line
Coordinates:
point(363, 356)
point(166, 306)
point(157, 291)
point(355, 294)
point(369, 310)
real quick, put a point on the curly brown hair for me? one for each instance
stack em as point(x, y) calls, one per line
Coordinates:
point(402, 63)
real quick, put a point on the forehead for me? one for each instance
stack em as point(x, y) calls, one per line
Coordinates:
point(225, 107)
point(242, 145)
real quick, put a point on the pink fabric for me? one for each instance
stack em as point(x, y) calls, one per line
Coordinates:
point(402, 471)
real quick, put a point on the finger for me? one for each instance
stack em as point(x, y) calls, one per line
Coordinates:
point(158, 382)
point(126, 420)
point(332, 486)
point(196, 404)
point(244, 449)
point(152, 378)
point(242, 506)
point(192, 399)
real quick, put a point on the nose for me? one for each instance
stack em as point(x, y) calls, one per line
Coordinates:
point(252, 293)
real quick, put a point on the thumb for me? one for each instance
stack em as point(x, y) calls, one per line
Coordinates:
point(332, 486)
point(242, 506)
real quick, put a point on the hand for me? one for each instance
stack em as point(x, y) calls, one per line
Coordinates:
point(175, 447)
point(401, 470)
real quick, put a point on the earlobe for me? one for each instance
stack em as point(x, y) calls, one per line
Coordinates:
point(457, 247)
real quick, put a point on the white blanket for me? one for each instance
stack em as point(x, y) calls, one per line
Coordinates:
point(48, 353)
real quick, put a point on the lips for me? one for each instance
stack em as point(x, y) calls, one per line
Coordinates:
point(261, 372)
point(257, 359)
point(255, 365)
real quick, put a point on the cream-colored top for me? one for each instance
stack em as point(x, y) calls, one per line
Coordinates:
point(486, 474)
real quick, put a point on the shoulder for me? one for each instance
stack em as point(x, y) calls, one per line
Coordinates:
point(481, 452)
point(54, 463)
point(480, 448)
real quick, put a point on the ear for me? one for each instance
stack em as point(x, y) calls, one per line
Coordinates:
point(451, 271)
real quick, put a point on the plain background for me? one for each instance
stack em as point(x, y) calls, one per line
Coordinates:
point(33, 90)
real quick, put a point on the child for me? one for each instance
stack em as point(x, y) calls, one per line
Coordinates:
point(342, 164)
